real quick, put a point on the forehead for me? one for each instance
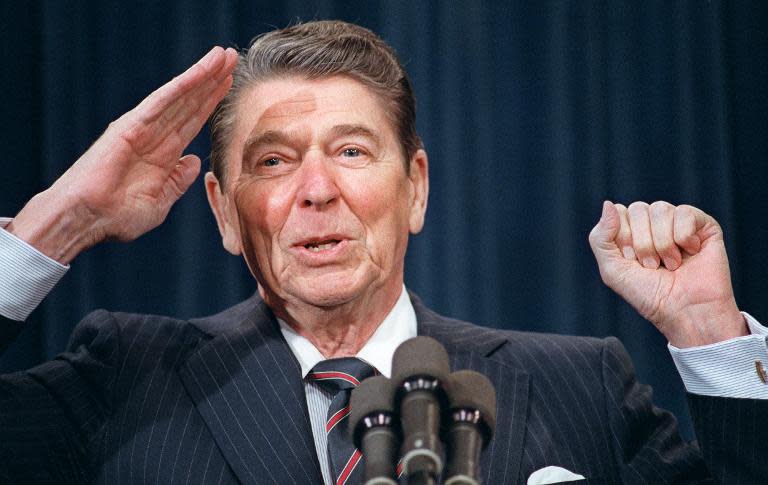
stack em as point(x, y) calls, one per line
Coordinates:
point(296, 105)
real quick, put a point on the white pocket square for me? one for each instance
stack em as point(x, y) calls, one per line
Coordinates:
point(552, 474)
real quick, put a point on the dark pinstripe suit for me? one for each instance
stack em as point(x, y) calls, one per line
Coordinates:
point(147, 399)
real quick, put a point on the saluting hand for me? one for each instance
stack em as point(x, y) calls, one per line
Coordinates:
point(127, 181)
point(669, 263)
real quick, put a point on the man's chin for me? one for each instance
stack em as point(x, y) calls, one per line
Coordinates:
point(326, 297)
point(331, 290)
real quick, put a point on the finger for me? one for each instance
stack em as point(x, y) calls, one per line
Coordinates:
point(603, 234)
point(177, 112)
point(624, 237)
point(662, 229)
point(688, 223)
point(642, 240)
point(211, 67)
point(602, 240)
point(178, 115)
point(181, 177)
point(198, 119)
point(190, 103)
point(184, 119)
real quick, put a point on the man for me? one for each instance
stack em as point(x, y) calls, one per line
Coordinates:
point(318, 177)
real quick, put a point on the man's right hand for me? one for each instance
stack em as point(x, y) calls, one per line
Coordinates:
point(127, 181)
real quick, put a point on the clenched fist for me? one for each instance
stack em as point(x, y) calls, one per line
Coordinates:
point(669, 263)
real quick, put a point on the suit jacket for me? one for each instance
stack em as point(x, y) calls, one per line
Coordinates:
point(149, 399)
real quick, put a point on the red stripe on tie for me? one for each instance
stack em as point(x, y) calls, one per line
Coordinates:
point(340, 414)
point(399, 469)
point(349, 467)
point(320, 376)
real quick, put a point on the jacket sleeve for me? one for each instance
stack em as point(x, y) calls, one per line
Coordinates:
point(9, 330)
point(646, 443)
point(732, 434)
point(49, 414)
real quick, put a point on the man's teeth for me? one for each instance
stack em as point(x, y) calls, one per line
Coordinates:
point(320, 247)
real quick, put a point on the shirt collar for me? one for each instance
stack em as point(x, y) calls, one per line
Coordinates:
point(398, 326)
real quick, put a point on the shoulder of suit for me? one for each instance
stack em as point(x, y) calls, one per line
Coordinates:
point(135, 330)
point(102, 326)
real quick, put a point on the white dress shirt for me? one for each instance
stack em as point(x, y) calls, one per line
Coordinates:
point(398, 326)
point(26, 275)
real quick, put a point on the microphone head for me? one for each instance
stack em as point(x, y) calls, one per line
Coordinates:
point(472, 390)
point(420, 356)
point(375, 395)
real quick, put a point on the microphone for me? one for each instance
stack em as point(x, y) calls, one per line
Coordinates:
point(372, 428)
point(419, 373)
point(471, 421)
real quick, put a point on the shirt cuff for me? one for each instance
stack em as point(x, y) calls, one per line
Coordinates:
point(26, 275)
point(733, 368)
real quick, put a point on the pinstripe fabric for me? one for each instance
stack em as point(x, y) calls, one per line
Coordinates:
point(712, 430)
point(146, 399)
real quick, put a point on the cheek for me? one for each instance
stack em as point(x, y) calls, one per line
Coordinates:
point(381, 203)
point(261, 210)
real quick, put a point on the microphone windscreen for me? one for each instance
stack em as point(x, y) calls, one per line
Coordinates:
point(470, 389)
point(374, 395)
point(420, 356)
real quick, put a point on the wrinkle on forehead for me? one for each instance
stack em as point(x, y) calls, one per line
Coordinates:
point(301, 103)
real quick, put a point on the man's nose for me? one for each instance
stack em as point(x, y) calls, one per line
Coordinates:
point(317, 182)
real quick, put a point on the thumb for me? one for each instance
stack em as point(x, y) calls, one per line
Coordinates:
point(603, 235)
point(183, 174)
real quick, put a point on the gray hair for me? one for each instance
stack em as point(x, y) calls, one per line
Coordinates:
point(315, 50)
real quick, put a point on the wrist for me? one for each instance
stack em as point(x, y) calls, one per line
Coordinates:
point(56, 225)
point(710, 324)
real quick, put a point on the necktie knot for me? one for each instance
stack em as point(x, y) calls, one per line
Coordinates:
point(344, 373)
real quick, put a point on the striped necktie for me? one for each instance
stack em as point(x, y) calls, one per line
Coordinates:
point(338, 377)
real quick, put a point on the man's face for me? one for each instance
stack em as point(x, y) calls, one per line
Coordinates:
point(319, 198)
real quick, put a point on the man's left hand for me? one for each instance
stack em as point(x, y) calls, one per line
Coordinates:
point(669, 263)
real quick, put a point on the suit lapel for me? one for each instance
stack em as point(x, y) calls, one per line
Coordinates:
point(472, 347)
point(247, 387)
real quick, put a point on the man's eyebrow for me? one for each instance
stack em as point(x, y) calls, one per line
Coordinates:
point(271, 137)
point(355, 130)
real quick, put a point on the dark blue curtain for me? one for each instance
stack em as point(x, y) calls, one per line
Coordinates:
point(532, 113)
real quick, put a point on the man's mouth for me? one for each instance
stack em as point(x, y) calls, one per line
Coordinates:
point(317, 246)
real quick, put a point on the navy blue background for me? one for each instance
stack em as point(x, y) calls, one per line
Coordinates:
point(532, 113)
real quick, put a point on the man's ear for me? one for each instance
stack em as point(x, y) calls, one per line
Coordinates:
point(419, 176)
point(226, 216)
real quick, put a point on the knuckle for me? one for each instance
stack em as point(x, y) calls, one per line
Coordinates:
point(683, 238)
point(660, 207)
point(643, 248)
point(685, 211)
point(593, 235)
point(637, 206)
point(665, 248)
point(624, 236)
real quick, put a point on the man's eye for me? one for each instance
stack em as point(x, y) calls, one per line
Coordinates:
point(351, 152)
point(271, 162)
